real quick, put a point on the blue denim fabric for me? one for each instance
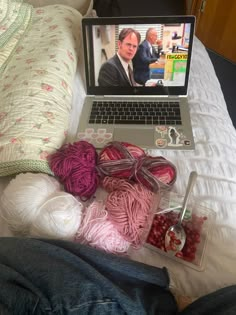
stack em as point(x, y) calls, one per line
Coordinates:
point(58, 277)
point(220, 302)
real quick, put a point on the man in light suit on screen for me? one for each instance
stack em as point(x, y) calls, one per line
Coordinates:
point(146, 54)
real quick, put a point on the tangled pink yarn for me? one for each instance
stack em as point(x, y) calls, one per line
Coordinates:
point(97, 231)
point(129, 208)
point(75, 166)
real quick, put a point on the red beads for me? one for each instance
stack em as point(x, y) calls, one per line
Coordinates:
point(192, 228)
point(173, 241)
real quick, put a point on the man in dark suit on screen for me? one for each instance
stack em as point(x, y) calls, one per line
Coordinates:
point(117, 71)
point(146, 54)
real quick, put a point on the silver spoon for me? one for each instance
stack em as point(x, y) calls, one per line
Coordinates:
point(175, 236)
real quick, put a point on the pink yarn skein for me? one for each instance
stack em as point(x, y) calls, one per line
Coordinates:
point(75, 166)
point(97, 231)
point(129, 208)
point(124, 160)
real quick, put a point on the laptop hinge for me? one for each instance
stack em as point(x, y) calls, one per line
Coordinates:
point(154, 96)
point(139, 96)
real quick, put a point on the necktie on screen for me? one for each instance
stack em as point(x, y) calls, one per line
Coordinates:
point(151, 51)
point(131, 76)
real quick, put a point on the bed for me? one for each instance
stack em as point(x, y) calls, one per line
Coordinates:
point(25, 143)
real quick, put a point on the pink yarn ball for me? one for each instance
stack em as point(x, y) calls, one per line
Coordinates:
point(124, 160)
point(113, 152)
point(97, 231)
point(116, 151)
point(163, 171)
point(75, 166)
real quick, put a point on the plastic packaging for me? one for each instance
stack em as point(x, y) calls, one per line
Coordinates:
point(197, 223)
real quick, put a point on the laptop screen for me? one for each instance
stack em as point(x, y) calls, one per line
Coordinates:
point(138, 55)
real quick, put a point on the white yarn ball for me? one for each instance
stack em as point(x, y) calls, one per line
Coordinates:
point(22, 198)
point(59, 217)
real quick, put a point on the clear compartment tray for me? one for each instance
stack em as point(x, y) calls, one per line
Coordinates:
point(197, 223)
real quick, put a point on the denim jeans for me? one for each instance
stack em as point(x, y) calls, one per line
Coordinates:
point(58, 277)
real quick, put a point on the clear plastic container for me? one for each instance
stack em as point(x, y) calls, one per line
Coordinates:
point(197, 223)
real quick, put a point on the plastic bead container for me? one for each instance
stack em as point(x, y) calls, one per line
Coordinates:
point(197, 224)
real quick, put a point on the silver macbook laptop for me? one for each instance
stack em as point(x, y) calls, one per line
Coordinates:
point(137, 71)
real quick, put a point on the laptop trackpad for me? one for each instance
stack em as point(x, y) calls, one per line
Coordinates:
point(140, 137)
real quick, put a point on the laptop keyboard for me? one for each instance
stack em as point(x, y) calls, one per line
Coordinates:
point(135, 112)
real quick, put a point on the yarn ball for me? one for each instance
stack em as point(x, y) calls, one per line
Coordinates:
point(59, 217)
point(75, 166)
point(116, 151)
point(23, 197)
point(33, 205)
point(124, 160)
point(97, 231)
point(163, 171)
point(130, 208)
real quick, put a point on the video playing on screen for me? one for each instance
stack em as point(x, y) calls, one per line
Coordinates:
point(147, 55)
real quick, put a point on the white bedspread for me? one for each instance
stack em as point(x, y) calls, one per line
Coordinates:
point(215, 161)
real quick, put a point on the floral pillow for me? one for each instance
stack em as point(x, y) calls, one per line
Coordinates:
point(15, 19)
point(83, 6)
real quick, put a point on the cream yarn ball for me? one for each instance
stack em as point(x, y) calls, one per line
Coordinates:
point(22, 198)
point(59, 217)
point(33, 205)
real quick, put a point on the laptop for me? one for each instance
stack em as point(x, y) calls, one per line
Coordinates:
point(153, 114)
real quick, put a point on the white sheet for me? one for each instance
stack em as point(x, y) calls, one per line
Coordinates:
point(215, 161)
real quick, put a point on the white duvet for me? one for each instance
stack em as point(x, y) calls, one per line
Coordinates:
point(214, 159)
